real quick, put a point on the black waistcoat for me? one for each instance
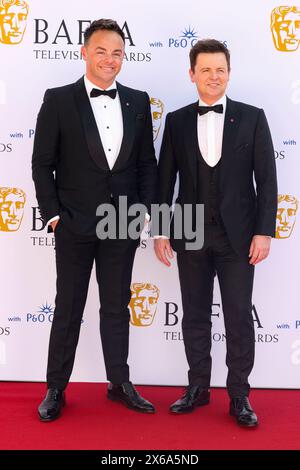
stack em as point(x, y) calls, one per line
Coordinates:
point(208, 191)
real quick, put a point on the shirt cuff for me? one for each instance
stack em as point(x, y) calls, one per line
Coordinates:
point(53, 219)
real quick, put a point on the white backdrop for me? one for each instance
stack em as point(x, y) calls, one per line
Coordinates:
point(160, 35)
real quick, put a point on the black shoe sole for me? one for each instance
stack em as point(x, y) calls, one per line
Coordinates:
point(251, 426)
point(48, 420)
point(202, 403)
point(130, 407)
point(243, 425)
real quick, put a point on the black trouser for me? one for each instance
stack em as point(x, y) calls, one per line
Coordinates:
point(75, 256)
point(196, 273)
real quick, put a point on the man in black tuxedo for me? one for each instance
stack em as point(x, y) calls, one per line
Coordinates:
point(96, 136)
point(217, 145)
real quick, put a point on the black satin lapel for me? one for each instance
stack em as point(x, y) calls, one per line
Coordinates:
point(128, 114)
point(231, 126)
point(191, 140)
point(89, 125)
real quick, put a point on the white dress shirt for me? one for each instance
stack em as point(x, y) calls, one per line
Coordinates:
point(109, 120)
point(210, 132)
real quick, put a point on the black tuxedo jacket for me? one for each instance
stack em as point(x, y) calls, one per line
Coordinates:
point(69, 166)
point(247, 151)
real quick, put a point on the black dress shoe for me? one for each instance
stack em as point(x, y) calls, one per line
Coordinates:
point(127, 394)
point(51, 406)
point(240, 408)
point(195, 395)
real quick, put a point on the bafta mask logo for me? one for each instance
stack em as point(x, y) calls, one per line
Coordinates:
point(12, 202)
point(285, 27)
point(143, 303)
point(286, 215)
point(157, 109)
point(13, 20)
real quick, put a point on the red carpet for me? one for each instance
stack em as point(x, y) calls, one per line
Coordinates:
point(90, 421)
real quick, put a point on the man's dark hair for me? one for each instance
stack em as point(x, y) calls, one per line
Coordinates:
point(208, 46)
point(102, 25)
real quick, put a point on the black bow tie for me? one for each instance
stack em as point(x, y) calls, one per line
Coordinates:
point(96, 92)
point(217, 108)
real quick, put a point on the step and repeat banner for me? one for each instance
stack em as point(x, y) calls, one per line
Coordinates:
point(40, 48)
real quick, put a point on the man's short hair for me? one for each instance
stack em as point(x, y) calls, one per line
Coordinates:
point(208, 46)
point(102, 25)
